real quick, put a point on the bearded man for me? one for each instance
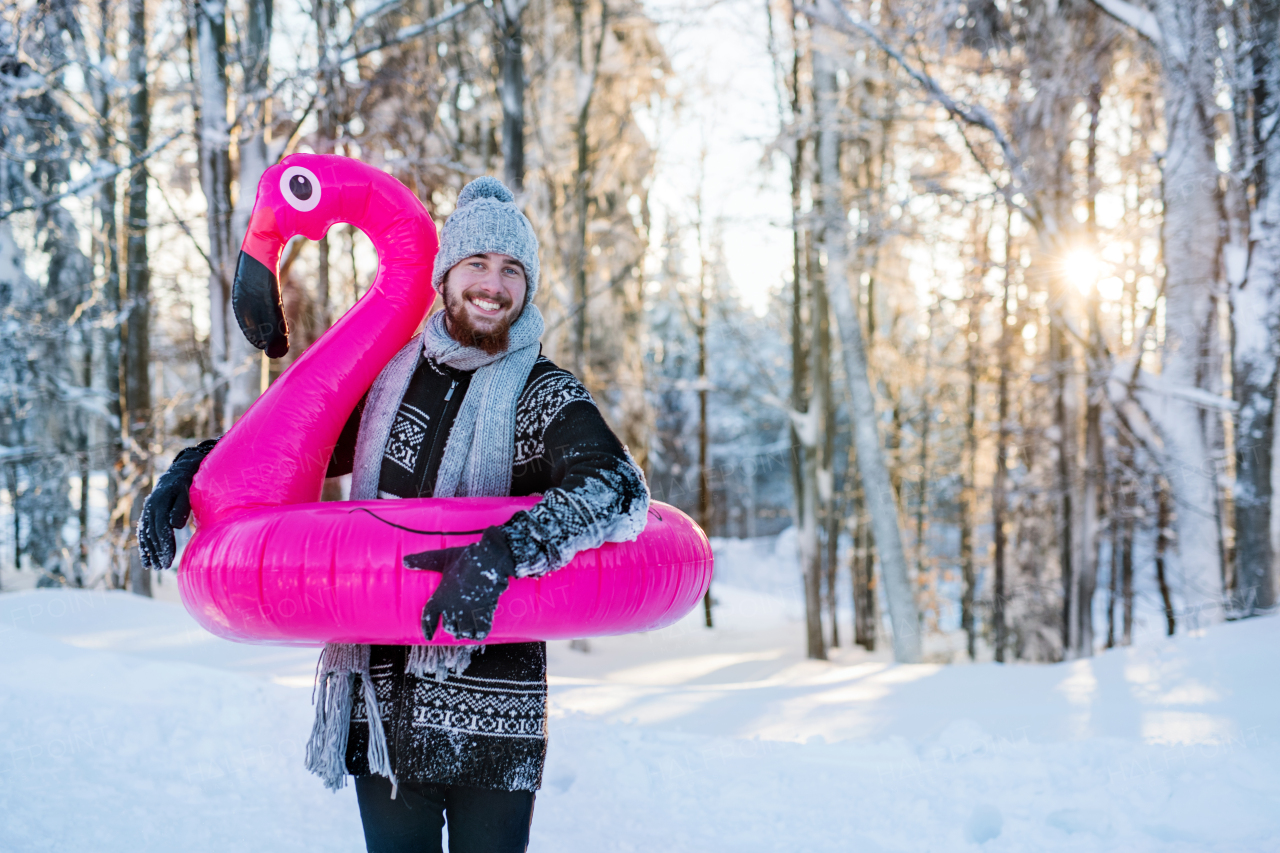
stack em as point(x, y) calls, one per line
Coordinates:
point(467, 408)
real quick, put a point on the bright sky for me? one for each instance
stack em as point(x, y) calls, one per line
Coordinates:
point(729, 109)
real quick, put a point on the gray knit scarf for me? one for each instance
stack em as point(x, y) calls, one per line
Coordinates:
point(477, 463)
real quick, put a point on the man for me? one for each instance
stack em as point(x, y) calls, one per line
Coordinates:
point(469, 408)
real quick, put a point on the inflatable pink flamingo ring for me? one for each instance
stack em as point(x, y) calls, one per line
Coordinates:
point(270, 563)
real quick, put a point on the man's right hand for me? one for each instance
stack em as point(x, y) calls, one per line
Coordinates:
point(168, 507)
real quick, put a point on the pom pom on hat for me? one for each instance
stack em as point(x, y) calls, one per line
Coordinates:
point(486, 220)
point(485, 187)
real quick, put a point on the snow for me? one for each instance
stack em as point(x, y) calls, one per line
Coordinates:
point(127, 727)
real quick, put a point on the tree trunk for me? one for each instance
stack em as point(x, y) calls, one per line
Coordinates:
point(799, 351)
point(1091, 540)
point(921, 577)
point(1164, 535)
point(1192, 227)
point(1255, 310)
point(215, 180)
point(817, 472)
point(999, 497)
point(509, 17)
point(968, 620)
point(810, 552)
point(1113, 586)
point(1060, 355)
point(585, 90)
point(875, 475)
point(826, 471)
point(704, 480)
point(108, 335)
point(1191, 232)
point(831, 568)
point(1123, 521)
point(244, 382)
point(11, 478)
point(138, 285)
point(1095, 463)
point(322, 12)
point(862, 566)
point(811, 503)
point(635, 411)
point(81, 570)
point(1126, 580)
point(819, 475)
point(804, 345)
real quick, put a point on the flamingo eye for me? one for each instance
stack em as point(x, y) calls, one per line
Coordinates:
point(300, 188)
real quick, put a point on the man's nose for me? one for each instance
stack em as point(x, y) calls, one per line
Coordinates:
point(491, 282)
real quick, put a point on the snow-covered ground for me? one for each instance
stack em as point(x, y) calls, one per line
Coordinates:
point(126, 727)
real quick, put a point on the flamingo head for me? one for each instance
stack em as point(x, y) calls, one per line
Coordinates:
point(302, 195)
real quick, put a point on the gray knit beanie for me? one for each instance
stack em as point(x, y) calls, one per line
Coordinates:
point(487, 220)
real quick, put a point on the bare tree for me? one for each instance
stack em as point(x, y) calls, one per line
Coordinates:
point(210, 25)
point(508, 21)
point(136, 327)
point(1255, 307)
point(244, 383)
point(875, 476)
point(1186, 34)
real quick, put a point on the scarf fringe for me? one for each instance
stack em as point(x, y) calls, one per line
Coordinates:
point(338, 667)
point(438, 661)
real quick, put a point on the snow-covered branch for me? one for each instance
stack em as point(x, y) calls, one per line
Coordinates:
point(376, 11)
point(1143, 21)
point(972, 114)
point(93, 179)
point(405, 34)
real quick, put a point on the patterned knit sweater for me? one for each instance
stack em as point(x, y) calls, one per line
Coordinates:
point(486, 728)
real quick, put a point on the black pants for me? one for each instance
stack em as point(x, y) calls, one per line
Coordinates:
point(480, 820)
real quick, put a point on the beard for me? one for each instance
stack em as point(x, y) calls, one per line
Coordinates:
point(491, 340)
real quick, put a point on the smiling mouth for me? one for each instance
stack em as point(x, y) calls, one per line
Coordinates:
point(488, 306)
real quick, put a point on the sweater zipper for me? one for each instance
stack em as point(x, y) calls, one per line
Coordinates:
point(440, 433)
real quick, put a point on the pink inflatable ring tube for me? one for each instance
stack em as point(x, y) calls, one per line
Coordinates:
point(269, 563)
point(243, 580)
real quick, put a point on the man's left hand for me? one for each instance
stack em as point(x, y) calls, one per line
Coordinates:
point(472, 578)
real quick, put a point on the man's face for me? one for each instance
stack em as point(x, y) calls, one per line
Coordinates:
point(483, 296)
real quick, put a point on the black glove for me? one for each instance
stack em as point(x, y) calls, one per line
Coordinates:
point(168, 507)
point(472, 579)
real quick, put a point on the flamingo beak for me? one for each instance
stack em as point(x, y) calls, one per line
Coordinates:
point(255, 293)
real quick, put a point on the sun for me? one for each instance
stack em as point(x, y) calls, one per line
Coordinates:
point(1082, 269)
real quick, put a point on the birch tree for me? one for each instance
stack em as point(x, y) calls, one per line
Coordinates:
point(214, 131)
point(1186, 35)
point(875, 476)
point(243, 381)
point(1255, 306)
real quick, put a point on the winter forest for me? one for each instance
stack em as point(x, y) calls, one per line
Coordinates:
point(1003, 359)
point(955, 324)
